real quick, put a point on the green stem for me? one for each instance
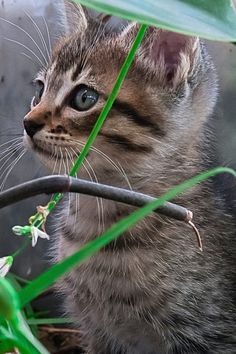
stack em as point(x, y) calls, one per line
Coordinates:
point(21, 249)
point(8, 342)
point(16, 340)
point(22, 332)
point(49, 321)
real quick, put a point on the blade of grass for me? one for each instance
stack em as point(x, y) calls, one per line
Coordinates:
point(18, 278)
point(49, 321)
point(8, 342)
point(15, 322)
point(45, 280)
point(28, 310)
point(22, 331)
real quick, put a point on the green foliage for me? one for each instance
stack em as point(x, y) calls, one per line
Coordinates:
point(211, 19)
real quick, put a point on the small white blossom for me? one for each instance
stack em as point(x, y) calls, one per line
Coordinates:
point(17, 230)
point(5, 265)
point(31, 231)
point(36, 233)
point(22, 230)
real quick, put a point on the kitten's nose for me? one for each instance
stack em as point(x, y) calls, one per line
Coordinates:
point(31, 127)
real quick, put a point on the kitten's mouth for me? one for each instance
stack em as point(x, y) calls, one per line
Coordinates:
point(52, 149)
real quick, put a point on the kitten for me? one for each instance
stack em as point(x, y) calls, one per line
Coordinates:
point(151, 291)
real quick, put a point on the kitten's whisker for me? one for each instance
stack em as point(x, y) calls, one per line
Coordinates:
point(48, 35)
point(99, 200)
point(10, 141)
point(28, 35)
point(108, 159)
point(125, 175)
point(163, 149)
point(39, 33)
point(56, 160)
point(77, 196)
point(91, 178)
point(77, 203)
point(60, 162)
point(10, 152)
point(68, 161)
point(10, 148)
point(5, 165)
point(112, 162)
point(10, 168)
point(69, 194)
point(29, 57)
point(12, 134)
point(27, 48)
point(64, 165)
point(52, 154)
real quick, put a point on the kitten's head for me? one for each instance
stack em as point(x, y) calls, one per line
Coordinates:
point(167, 95)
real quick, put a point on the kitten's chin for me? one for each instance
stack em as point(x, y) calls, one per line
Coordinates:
point(28, 143)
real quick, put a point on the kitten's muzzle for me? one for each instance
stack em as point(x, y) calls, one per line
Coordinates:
point(31, 127)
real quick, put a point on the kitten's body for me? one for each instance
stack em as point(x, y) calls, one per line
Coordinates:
point(152, 291)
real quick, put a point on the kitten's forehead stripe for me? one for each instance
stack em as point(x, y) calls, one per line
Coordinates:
point(76, 72)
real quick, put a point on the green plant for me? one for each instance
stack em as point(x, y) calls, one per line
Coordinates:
point(214, 19)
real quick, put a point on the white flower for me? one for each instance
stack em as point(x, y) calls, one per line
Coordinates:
point(36, 233)
point(17, 230)
point(22, 230)
point(31, 231)
point(5, 265)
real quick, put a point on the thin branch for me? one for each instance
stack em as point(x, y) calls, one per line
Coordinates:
point(59, 330)
point(65, 184)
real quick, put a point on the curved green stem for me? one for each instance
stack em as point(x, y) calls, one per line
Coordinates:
point(21, 249)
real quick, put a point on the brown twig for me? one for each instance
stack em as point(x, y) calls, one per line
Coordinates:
point(197, 234)
point(59, 330)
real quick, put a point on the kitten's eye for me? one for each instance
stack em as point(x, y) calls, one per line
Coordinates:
point(38, 92)
point(84, 98)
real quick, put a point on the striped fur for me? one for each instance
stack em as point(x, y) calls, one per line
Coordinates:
point(151, 291)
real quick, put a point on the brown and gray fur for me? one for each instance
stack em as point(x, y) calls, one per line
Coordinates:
point(152, 291)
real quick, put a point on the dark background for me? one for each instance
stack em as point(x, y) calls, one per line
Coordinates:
point(18, 66)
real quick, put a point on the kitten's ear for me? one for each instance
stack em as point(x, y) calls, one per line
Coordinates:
point(76, 17)
point(172, 56)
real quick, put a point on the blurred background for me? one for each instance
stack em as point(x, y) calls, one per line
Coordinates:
point(28, 30)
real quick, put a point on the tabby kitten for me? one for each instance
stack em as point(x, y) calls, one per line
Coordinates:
point(151, 291)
